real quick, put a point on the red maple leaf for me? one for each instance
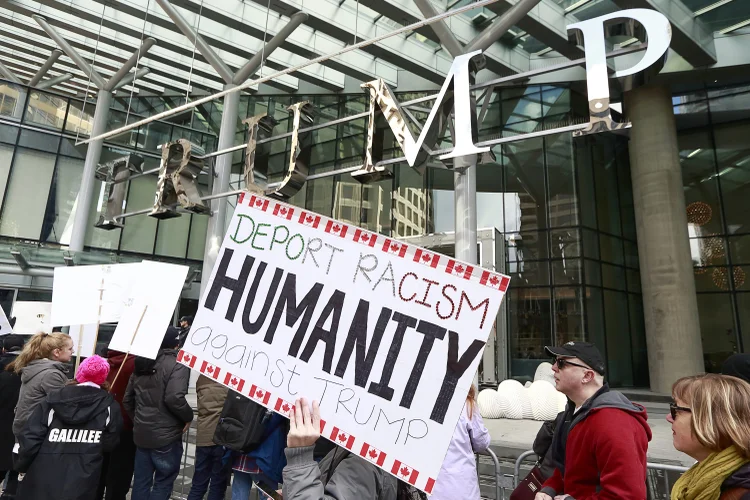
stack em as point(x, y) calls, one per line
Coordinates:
point(186, 357)
point(394, 247)
point(285, 407)
point(258, 202)
point(210, 369)
point(425, 257)
point(364, 237)
point(459, 269)
point(494, 280)
point(282, 211)
point(342, 437)
point(259, 393)
point(373, 453)
point(235, 381)
point(336, 228)
point(309, 218)
point(405, 471)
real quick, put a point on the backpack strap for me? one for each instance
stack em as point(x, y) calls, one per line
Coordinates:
point(734, 494)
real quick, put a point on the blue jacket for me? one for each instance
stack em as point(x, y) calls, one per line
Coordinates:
point(269, 455)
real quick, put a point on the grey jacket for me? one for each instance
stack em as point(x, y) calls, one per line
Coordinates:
point(353, 478)
point(38, 379)
point(155, 400)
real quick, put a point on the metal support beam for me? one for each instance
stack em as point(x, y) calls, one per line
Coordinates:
point(129, 64)
point(222, 173)
point(51, 82)
point(71, 52)
point(254, 63)
point(54, 55)
point(501, 25)
point(213, 59)
point(441, 29)
point(88, 179)
point(8, 74)
point(129, 79)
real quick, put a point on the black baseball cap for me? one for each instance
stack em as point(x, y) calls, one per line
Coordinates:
point(585, 351)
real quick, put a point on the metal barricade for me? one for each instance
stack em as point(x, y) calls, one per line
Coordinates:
point(517, 468)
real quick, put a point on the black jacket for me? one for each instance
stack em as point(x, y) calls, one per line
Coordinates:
point(62, 443)
point(10, 386)
point(739, 479)
point(542, 444)
point(155, 400)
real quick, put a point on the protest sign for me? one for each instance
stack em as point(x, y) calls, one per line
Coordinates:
point(5, 328)
point(83, 295)
point(32, 317)
point(148, 310)
point(88, 335)
point(385, 335)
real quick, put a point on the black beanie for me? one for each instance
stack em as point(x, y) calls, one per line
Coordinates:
point(737, 365)
point(171, 338)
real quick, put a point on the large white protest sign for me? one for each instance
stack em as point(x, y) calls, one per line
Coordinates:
point(90, 294)
point(148, 309)
point(86, 335)
point(385, 335)
point(5, 328)
point(32, 317)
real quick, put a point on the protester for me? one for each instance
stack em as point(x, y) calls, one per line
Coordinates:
point(601, 439)
point(10, 386)
point(62, 443)
point(710, 418)
point(265, 463)
point(155, 402)
point(117, 472)
point(211, 470)
point(42, 367)
point(185, 323)
point(458, 475)
point(340, 475)
point(737, 365)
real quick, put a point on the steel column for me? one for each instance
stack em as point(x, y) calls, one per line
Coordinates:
point(443, 32)
point(51, 82)
point(8, 74)
point(129, 64)
point(88, 179)
point(130, 78)
point(501, 25)
point(54, 55)
point(465, 199)
point(222, 171)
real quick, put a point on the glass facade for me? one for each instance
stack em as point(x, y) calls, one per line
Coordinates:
point(564, 205)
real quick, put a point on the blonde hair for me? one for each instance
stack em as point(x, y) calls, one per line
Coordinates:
point(471, 401)
point(720, 410)
point(40, 346)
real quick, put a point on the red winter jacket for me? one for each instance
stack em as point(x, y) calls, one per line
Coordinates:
point(605, 451)
point(116, 359)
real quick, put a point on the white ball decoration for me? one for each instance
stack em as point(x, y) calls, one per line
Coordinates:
point(543, 398)
point(544, 372)
point(513, 391)
point(562, 401)
point(490, 406)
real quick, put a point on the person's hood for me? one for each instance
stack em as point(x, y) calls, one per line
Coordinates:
point(737, 365)
point(76, 405)
point(739, 479)
point(145, 366)
point(38, 366)
point(604, 398)
point(7, 358)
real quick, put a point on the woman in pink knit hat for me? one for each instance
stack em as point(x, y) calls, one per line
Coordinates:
point(62, 444)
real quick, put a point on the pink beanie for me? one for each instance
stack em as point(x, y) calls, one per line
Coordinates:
point(93, 369)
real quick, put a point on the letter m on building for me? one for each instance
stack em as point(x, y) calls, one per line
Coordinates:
point(455, 95)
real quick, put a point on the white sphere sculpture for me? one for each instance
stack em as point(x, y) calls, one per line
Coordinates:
point(544, 372)
point(562, 401)
point(490, 406)
point(543, 397)
point(514, 392)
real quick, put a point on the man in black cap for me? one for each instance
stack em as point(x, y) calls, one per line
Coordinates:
point(185, 323)
point(10, 386)
point(601, 439)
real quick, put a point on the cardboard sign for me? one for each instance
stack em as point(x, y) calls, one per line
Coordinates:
point(5, 328)
point(79, 291)
point(148, 309)
point(385, 335)
point(87, 335)
point(32, 317)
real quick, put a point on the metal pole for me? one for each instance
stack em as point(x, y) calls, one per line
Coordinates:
point(54, 81)
point(443, 32)
point(222, 172)
point(8, 74)
point(71, 52)
point(93, 154)
point(486, 38)
point(129, 79)
point(56, 53)
point(129, 64)
point(254, 63)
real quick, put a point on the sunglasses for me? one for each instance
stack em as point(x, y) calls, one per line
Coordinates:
point(562, 363)
point(673, 409)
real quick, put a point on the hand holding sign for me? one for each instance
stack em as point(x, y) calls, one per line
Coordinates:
point(304, 427)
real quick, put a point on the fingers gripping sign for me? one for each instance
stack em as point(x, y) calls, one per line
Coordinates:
point(304, 424)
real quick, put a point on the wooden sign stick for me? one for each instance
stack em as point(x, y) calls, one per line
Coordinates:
point(137, 327)
point(78, 353)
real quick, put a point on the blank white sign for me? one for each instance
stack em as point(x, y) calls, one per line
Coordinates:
point(5, 328)
point(32, 317)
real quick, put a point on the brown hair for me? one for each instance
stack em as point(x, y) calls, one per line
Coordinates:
point(40, 346)
point(720, 410)
point(106, 385)
point(471, 401)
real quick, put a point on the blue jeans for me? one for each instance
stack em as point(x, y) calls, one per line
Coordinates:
point(209, 468)
point(243, 483)
point(155, 471)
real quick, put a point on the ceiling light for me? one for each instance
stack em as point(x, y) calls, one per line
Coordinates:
point(695, 152)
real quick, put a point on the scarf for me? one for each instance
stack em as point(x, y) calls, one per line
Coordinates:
point(703, 480)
